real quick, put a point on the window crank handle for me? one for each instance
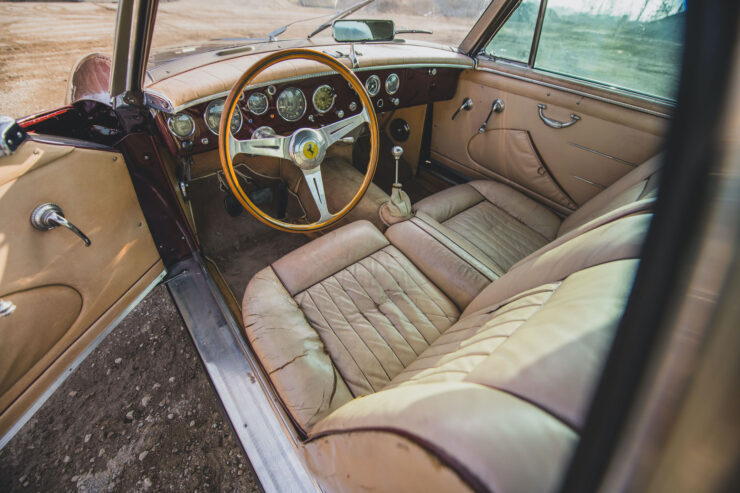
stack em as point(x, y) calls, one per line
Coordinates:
point(48, 216)
point(466, 105)
point(496, 107)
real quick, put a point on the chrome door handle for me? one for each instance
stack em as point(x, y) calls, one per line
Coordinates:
point(48, 216)
point(6, 308)
point(496, 107)
point(554, 123)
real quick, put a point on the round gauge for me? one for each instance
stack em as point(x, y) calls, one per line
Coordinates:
point(323, 98)
point(392, 83)
point(291, 104)
point(263, 133)
point(212, 116)
point(257, 103)
point(372, 84)
point(181, 125)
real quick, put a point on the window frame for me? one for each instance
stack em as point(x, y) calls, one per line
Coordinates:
point(478, 53)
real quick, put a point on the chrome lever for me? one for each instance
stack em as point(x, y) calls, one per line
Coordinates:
point(466, 105)
point(554, 123)
point(496, 107)
point(48, 216)
point(7, 308)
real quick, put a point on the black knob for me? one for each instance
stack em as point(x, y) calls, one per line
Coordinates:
point(399, 130)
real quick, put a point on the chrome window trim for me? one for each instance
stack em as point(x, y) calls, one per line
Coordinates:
point(77, 361)
point(172, 110)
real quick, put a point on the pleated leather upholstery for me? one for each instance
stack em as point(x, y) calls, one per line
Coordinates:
point(375, 317)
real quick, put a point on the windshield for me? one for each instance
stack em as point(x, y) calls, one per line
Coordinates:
point(188, 24)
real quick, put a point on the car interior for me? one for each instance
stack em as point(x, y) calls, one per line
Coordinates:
point(434, 312)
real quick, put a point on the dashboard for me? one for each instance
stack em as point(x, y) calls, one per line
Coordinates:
point(281, 107)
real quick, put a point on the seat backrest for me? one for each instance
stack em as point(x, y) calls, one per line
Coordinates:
point(638, 184)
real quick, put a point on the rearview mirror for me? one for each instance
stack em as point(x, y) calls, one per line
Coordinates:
point(356, 30)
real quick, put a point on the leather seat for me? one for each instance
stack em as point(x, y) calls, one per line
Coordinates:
point(398, 379)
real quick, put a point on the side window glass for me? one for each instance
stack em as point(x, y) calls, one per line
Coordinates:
point(514, 40)
point(633, 45)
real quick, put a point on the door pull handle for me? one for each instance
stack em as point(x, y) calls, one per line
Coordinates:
point(554, 123)
point(48, 216)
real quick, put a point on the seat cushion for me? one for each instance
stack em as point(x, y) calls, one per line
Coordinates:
point(340, 317)
point(502, 223)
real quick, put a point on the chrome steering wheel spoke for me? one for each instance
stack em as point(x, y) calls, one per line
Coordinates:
point(335, 132)
point(316, 186)
point(271, 147)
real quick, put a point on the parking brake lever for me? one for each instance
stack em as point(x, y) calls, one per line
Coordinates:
point(496, 107)
point(466, 105)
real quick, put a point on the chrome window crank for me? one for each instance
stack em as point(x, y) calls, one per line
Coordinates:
point(496, 107)
point(466, 105)
point(48, 216)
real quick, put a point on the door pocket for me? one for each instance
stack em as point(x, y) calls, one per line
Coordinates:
point(511, 154)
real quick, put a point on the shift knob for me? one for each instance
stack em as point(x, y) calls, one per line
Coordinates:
point(397, 152)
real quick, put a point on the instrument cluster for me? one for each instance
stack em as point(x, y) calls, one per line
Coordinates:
point(312, 102)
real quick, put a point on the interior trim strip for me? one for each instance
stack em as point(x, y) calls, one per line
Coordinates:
point(79, 359)
point(575, 91)
point(597, 185)
point(295, 78)
point(579, 146)
point(263, 433)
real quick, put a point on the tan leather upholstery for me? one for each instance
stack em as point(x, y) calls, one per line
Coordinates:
point(350, 298)
point(362, 336)
point(490, 226)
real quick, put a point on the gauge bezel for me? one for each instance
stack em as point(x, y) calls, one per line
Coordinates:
point(305, 104)
point(215, 132)
point(169, 126)
point(375, 77)
point(267, 103)
point(398, 86)
point(333, 98)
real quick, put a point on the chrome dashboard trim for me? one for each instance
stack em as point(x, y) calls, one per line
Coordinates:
point(172, 110)
point(576, 92)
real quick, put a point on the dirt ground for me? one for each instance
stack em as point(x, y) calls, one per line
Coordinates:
point(138, 414)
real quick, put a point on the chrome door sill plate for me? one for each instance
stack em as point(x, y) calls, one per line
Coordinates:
point(235, 377)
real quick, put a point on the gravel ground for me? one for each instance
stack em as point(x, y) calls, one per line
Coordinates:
point(138, 414)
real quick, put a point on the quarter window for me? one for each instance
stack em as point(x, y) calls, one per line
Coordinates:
point(629, 44)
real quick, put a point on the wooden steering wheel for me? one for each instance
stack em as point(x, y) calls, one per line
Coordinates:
point(305, 147)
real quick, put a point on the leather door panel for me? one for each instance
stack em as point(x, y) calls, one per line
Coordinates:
point(605, 144)
point(60, 287)
point(511, 154)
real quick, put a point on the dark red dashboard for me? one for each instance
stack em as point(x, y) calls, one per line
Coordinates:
point(417, 86)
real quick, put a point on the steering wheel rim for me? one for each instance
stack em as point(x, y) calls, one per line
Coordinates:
point(290, 147)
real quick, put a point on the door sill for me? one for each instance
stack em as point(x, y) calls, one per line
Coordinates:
point(262, 429)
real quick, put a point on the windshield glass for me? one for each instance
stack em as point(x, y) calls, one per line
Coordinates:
point(189, 24)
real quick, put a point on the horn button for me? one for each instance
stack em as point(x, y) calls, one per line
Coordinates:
point(307, 148)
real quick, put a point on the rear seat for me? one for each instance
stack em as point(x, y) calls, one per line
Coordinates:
point(469, 235)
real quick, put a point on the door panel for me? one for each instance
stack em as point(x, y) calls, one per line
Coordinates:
point(605, 144)
point(60, 287)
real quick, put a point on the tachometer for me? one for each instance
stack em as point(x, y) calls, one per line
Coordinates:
point(257, 103)
point(291, 104)
point(212, 116)
point(372, 84)
point(392, 83)
point(323, 98)
point(182, 125)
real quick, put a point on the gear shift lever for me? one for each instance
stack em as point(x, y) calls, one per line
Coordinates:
point(399, 207)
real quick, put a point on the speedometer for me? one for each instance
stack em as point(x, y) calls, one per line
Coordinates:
point(323, 98)
point(212, 116)
point(291, 104)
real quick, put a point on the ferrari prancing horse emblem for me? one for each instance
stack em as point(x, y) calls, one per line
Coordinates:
point(310, 149)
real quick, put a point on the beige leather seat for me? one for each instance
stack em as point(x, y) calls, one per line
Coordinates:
point(395, 387)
